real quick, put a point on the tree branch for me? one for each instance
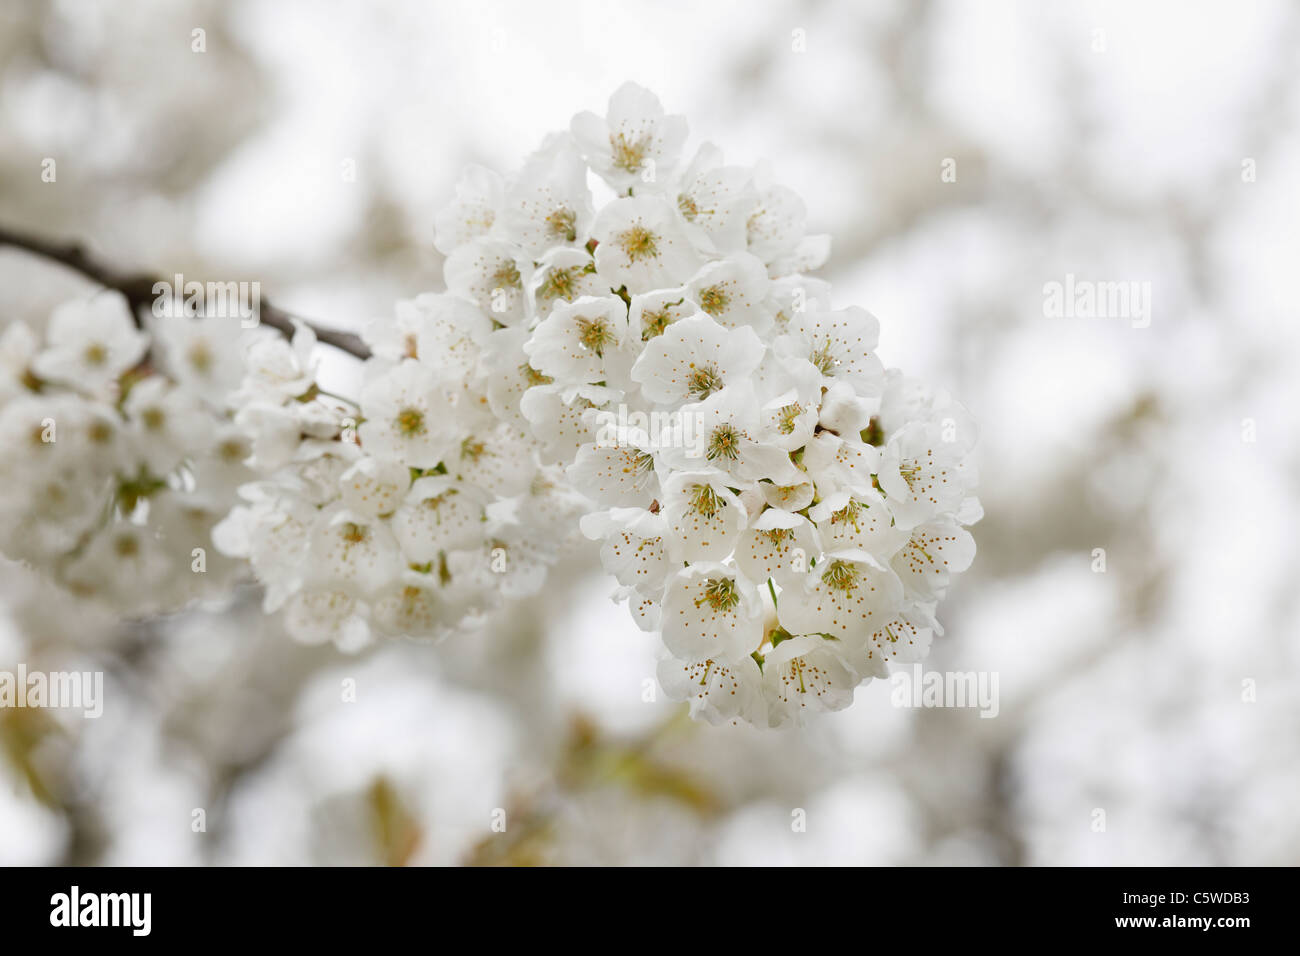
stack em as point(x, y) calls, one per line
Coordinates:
point(137, 288)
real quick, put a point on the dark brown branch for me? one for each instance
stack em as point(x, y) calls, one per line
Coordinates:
point(138, 288)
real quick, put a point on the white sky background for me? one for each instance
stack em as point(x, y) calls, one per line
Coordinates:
point(1153, 728)
point(427, 87)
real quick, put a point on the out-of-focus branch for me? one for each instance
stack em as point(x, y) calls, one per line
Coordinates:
point(138, 288)
point(590, 761)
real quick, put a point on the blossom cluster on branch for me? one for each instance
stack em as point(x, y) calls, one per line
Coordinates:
point(410, 511)
point(782, 510)
point(120, 458)
point(630, 348)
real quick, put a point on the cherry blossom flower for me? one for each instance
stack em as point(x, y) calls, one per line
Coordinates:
point(549, 205)
point(473, 213)
point(642, 246)
point(716, 201)
point(576, 343)
point(845, 593)
point(734, 292)
point(635, 144)
point(704, 516)
point(493, 275)
point(693, 358)
point(804, 676)
point(718, 691)
point(407, 416)
point(711, 611)
point(91, 343)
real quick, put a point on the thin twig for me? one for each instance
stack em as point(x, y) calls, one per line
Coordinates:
point(138, 288)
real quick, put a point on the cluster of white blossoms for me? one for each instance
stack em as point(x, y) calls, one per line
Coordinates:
point(409, 511)
point(629, 348)
point(780, 509)
point(118, 461)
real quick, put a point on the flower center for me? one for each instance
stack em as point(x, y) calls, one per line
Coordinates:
point(848, 514)
point(200, 357)
point(788, 492)
point(560, 284)
point(823, 359)
point(628, 154)
point(714, 300)
point(787, 417)
point(562, 224)
point(232, 451)
point(437, 501)
point(639, 243)
point(703, 381)
point(410, 422)
point(654, 323)
point(841, 576)
point(705, 501)
point(534, 377)
point(506, 276)
point(724, 443)
point(100, 432)
point(720, 594)
point(594, 334)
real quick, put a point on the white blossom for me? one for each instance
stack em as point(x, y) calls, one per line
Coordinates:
point(549, 204)
point(579, 341)
point(693, 358)
point(90, 343)
point(804, 676)
point(474, 211)
point(711, 611)
point(735, 292)
point(634, 144)
point(642, 246)
point(847, 592)
point(716, 201)
point(407, 416)
point(493, 275)
point(717, 691)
